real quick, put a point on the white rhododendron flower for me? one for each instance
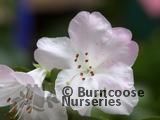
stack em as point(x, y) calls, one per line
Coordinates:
point(95, 56)
point(52, 110)
point(22, 91)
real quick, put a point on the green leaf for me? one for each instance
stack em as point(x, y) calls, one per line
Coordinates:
point(36, 65)
point(153, 118)
point(54, 74)
point(48, 86)
point(49, 82)
point(96, 113)
point(51, 76)
point(4, 113)
point(21, 69)
point(73, 115)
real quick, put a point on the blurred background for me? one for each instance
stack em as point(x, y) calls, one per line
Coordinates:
point(23, 22)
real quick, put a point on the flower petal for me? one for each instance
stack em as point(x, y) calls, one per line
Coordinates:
point(122, 33)
point(126, 54)
point(38, 76)
point(6, 76)
point(10, 86)
point(133, 53)
point(6, 69)
point(9, 92)
point(56, 112)
point(54, 53)
point(125, 108)
point(73, 79)
point(86, 29)
point(92, 33)
point(118, 76)
point(122, 49)
point(24, 79)
point(86, 111)
point(118, 50)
